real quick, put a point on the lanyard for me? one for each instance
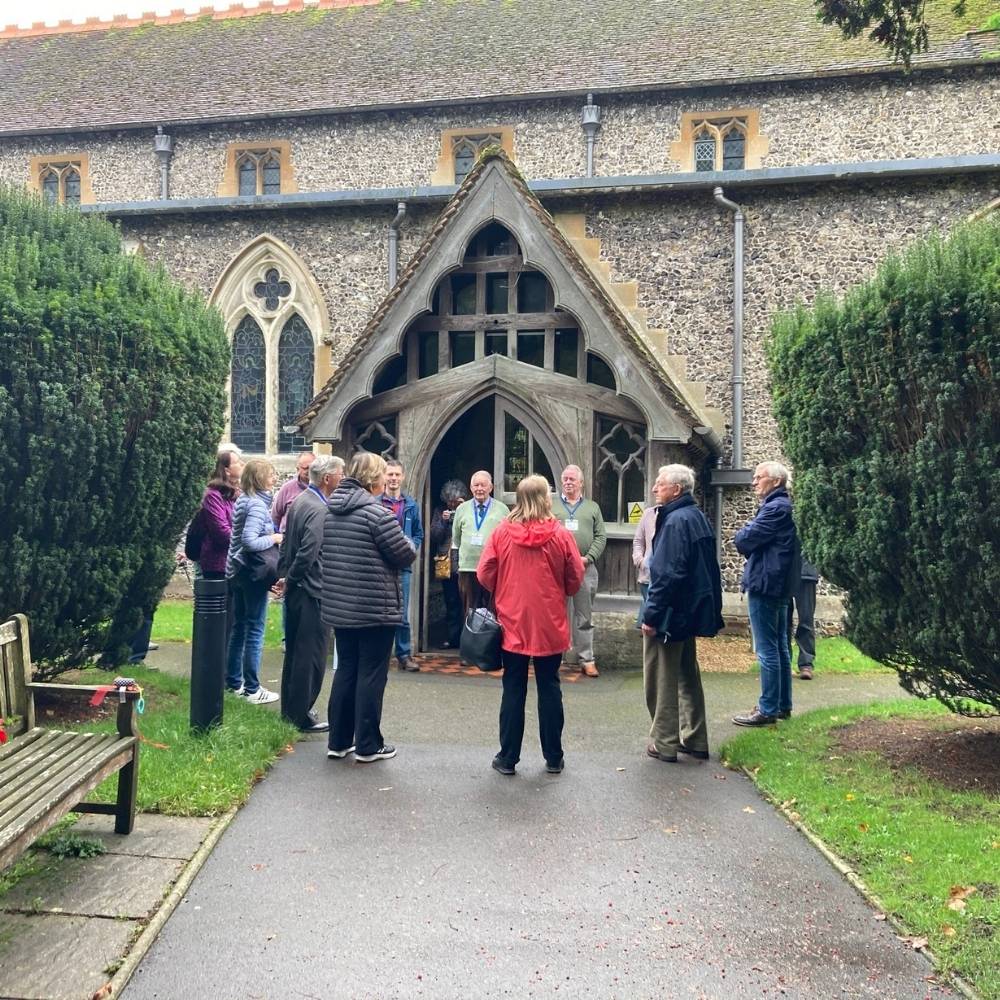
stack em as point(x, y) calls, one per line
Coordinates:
point(479, 521)
point(570, 510)
point(318, 492)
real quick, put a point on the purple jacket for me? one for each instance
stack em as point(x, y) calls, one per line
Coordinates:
point(217, 518)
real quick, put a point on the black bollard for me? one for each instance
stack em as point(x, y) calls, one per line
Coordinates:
point(208, 653)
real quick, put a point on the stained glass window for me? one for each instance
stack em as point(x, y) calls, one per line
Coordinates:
point(621, 467)
point(248, 387)
point(465, 157)
point(295, 380)
point(272, 288)
point(71, 189)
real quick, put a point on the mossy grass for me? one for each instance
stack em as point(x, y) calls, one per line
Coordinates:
point(173, 619)
point(913, 842)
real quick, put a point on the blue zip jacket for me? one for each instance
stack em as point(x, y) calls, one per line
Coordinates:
point(412, 526)
point(252, 529)
point(771, 546)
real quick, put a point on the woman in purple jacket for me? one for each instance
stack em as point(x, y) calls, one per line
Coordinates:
point(217, 514)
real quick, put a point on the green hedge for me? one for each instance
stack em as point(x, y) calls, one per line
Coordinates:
point(888, 405)
point(111, 405)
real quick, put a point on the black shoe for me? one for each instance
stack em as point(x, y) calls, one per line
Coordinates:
point(755, 718)
point(700, 754)
point(383, 753)
point(339, 754)
point(499, 765)
point(785, 713)
point(315, 726)
point(555, 768)
point(651, 751)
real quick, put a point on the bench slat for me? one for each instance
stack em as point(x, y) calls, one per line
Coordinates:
point(27, 757)
point(18, 744)
point(20, 773)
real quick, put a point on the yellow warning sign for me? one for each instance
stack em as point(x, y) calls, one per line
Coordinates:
point(635, 509)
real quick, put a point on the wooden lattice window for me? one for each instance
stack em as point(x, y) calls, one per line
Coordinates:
point(620, 464)
point(62, 181)
point(378, 437)
point(728, 140)
point(256, 169)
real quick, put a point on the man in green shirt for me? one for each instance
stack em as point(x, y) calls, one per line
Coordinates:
point(583, 519)
point(474, 522)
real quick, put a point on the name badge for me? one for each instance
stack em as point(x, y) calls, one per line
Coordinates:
point(572, 524)
point(476, 539)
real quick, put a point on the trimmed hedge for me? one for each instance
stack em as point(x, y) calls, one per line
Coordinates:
point(889, 407)
point(111, 406)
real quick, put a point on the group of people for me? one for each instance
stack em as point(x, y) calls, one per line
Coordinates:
point(346, 539)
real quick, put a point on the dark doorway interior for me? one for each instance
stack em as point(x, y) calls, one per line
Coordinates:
point(466, 447)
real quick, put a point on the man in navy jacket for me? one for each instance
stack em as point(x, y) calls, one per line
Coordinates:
point(684, 600)
point(770, 577)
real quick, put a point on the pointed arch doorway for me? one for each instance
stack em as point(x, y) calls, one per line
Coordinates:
point(494, 432)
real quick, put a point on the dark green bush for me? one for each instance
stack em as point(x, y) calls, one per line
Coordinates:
point(111, 403)
point(889, 407)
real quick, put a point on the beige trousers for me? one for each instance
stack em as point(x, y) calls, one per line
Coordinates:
point(580, 611)
point(674, 695)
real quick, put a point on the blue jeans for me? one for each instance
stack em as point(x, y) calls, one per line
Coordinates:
point(247, 639)
point(769, 621)
point(404, 646)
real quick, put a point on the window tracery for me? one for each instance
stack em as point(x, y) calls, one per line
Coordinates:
point(620, 465)
point(62, 181)
point(720, 140)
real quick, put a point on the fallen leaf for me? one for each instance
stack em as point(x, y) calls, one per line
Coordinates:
point(863, 827)
point(257, 867)
point(849, 796)
point(880, 916)
point(794, 816)
point(748, 809)
point(619, 768)
point(947, 930)
point(916, 943)
point(104, 991)
point(670, 829)
point(908, 859)
point(961, 891)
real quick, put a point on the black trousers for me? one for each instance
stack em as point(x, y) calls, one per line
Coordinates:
point(355, 709)
point(453, 609)
point(306, 643)
point(550, 706)
point(805, 630)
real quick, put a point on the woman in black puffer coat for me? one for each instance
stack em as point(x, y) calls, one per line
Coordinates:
point(364, 550)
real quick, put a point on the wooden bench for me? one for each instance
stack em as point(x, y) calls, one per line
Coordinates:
point(45, 773)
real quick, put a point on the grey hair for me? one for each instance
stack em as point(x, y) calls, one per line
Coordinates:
point(324, 465)
point(679, 475)
point(453, 490)
point(775, 470)
point(230, 447)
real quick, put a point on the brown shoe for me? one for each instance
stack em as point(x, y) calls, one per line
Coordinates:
point(590, 669)
point(651, 751)
point(409, 663)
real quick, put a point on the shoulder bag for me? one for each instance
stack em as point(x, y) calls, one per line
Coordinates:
point(262, 567)
point(481, 637)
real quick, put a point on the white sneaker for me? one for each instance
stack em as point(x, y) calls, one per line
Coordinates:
point(237, 691)
point(261, 697)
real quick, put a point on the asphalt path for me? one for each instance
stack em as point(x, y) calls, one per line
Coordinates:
point(432, 876)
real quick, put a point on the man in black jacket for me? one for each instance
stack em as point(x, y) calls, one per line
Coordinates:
point(301, 581)
point(684, 601)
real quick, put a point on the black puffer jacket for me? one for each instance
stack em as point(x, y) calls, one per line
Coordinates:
point(364, 549)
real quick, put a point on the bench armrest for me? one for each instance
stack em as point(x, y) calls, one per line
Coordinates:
point(126, 708)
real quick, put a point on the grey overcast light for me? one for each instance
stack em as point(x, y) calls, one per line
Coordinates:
point(25, 12)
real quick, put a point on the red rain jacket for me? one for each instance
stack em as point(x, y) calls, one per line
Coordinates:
point(531, 568)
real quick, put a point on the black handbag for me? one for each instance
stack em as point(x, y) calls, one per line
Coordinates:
point(262, 567)
point(481, 636)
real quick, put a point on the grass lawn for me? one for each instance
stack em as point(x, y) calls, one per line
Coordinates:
point(835, 655)
point(172, 623)
point(916, 844)
point(192, 775)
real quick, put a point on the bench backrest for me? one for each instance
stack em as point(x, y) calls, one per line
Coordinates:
point(16, 703)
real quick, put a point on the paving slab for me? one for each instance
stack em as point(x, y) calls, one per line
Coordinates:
point(154, 836)
point(432, 876)
point(109, 885)
point(48, 956)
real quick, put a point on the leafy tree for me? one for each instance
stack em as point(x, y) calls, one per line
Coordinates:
point(888, 405)
point(897, 25)
point(111, 404)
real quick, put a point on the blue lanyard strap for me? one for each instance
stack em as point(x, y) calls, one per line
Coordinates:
point(318, 492)
point(477, 520)
point(570, 510)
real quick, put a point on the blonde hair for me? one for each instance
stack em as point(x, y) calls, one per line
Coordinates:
point(255, 475)
point(534, 500)
point(366, 467)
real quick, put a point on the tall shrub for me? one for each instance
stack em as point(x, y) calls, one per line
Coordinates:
point(111, 403)
point(889, 406)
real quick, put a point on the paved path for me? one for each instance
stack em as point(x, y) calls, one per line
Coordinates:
point(432, 876)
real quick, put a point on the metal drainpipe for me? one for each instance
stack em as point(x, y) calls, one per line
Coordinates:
point(737, 375)
point(164, 147)
point(394, 243)
point(590, 118)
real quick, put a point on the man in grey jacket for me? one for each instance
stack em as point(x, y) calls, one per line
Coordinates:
point(301, 569)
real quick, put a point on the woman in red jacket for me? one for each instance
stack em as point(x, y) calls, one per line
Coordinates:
point(531, 564)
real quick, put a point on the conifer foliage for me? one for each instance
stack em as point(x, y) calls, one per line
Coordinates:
point(111, 404)
point(889, 406)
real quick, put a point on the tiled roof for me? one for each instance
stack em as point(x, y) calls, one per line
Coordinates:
point(333, 56)
point(673, 395)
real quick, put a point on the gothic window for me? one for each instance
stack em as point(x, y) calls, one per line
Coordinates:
point(460, 148)
point(248, 387)
point(620, 464)
point(295, 380)
point(62, 182)
point(466, 148)
point(704, 149)
point(255, 169)
point(727, 140)
point(378, 437)
point(272, 289)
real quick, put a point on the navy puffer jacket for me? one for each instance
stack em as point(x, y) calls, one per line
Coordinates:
point(364, 549)
point(771, 546)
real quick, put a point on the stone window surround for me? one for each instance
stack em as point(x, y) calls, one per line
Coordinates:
point(757, 145)
point(81, 161)
point(444, 172)
point(234, 297)
point(230, 185)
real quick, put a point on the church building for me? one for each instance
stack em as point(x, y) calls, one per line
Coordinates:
point(509, 234)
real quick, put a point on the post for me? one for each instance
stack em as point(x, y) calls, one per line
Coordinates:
point(208, 653)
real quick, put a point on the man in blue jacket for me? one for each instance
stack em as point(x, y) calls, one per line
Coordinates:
point(770, 577)
point(408, 515)
point(684, 600)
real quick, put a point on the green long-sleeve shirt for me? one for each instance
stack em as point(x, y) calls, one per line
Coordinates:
point(591, 538)
point(464, 536)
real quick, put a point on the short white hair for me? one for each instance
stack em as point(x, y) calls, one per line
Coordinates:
point(230, 447)
point(775, 470)
point(324, 465)
point(679, 475)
